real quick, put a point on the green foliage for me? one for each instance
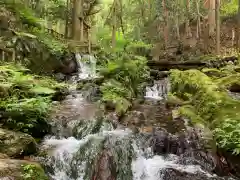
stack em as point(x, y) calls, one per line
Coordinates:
point(31, 171)
point(123, 80)
point(210, 105)
point(25, 98)
point(118, 95)
point(52, 44)
point(229, 8)
point(105, 38)
point(139, 48)
point(25, 14)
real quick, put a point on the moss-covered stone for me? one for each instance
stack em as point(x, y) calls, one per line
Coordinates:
point(212, 72)
point(211, 105)
point(16, 144)
point(21, 170)
point(230, 82)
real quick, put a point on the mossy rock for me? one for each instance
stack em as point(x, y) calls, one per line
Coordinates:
point(230, 82)
point(16, 144)
point(174, 101)
point(21, 170)
point(211, 105)
point(212, 72)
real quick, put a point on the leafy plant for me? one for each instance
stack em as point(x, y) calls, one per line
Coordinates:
point(25, 99)
point(124, 79)
point(31, 171)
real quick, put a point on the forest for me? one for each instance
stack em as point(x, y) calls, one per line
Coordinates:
point(119, 89)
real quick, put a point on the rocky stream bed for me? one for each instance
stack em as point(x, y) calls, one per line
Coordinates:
point(150, 142)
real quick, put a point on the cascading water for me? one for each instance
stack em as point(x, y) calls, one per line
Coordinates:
point(94, 150)
point(159, 90)
point(87, 66)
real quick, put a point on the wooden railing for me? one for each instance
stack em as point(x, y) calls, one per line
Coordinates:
point(54, 33)
point(72, 43)
point(7, 54)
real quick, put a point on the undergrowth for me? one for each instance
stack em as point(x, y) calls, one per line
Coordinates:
point(124, 75)
point(25, 99)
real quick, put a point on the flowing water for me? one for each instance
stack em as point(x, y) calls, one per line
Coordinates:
point(86, 145)
point(159, 90)
point(87, 66)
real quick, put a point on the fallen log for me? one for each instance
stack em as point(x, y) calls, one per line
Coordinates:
point(165, 65)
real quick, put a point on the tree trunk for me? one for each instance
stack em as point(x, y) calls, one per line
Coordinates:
point(66, 20)
point(217, 11)
point(114, 25)
point(198, 21)
point(75, 21)
point(238, 27)
point(166, 23)
point(177, 28)
point(211, 17)
point(81, 20)
point(187, 26)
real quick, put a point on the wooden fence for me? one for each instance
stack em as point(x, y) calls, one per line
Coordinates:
point(7, 54)
point(85, 45)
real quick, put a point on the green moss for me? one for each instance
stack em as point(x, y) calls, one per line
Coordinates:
point(210, 103)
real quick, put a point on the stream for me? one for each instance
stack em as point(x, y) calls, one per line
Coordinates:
point(86, 144)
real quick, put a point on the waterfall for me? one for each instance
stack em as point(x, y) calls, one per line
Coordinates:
point(159, 90)
point(87, 66)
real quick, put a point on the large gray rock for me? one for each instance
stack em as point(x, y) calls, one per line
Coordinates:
point(16, 144)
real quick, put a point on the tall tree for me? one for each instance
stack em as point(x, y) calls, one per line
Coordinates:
point(211, 17)
point(166, 23)
point(66, 20)
point(217, 11)
point(75, 21)
point(114, 23)
point(187, 26)
point(238, 27)
point(198, 20)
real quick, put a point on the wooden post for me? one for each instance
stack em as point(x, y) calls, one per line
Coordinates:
point(13, 55)
point(3, 55)
point(89, 42)
point(81, 29)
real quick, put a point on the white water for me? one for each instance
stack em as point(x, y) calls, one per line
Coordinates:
point(152, 168)
point(143, 168)
point(87, 66)
point(159, 90)
point(63, 150)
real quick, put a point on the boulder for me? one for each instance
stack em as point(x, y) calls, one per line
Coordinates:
point(12, 169)
point(16, 144)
